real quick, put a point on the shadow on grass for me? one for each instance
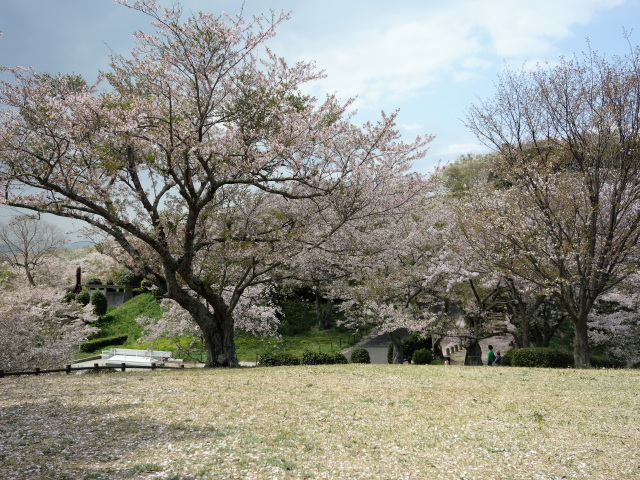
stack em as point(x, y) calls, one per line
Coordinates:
point(50, 438)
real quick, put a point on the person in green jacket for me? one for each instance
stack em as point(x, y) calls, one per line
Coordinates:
point(490, 356)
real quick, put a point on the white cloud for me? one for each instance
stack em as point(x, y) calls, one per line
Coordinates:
point(459, 39)
point(462, 148)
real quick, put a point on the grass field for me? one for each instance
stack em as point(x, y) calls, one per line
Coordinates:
point(347, 421)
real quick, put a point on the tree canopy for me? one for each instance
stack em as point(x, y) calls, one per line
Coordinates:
point(567, 219)
point(202, 163)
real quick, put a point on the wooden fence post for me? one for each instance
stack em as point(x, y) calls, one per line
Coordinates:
point(96, 367)
point(68, 368)
point(37, 370)
point(123, 367)
point(1, 373)
point(182, 365)
point(153, 366)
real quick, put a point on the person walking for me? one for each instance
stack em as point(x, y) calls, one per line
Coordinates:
point(490, 356)
point(498, 359)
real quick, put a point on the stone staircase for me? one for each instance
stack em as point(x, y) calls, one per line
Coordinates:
point(455, 352)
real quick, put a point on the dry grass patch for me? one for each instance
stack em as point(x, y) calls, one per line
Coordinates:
point(347, 421)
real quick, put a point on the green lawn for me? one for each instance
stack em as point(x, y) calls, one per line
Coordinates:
point(330, 422)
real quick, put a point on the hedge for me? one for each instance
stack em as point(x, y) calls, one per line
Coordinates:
point(278, 359)
point(541, 357)
point(507, 358)
point(93, 345)
point(314, 357)
point(600, 361)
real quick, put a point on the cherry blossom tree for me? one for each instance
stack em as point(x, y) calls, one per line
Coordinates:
point(405, 275)
point(614, 324)
point(204, 161)
point(28, 242)
point(38, 328)
point(567, 217)
point(256, 313)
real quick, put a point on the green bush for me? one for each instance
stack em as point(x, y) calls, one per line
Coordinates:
point(409, 345)
point(146, 284)
point(137, 291)
point(128, 278)
point(415, 342)
point(99, 302)
point(158, 292)
point(541, 357)
point(601, 361)
point(93, 345)
point(314, 357)
point(422, 356)
point(109, 281)
point(360, 355)
point(507, 358)
point(338, 358)
point(277, 359)
point(93, 281)
point(69, 297)
point(83, 297)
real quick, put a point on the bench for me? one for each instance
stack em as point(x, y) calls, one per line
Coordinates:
point(118, 356)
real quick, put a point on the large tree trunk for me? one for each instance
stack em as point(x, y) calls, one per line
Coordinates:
point(525, 328)
point(581, 343)
point(473, 355)
point(436, 346)
point(217, 327)
point(323, 312)
point(218, 331)
point(398, 352)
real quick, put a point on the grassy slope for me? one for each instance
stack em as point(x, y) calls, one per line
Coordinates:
point(347, 421)
point(298, 330)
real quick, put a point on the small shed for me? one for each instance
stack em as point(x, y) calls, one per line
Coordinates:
point(116, 294)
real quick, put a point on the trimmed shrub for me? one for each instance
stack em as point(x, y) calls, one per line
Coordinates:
point(314, 357)
point(360, 355)
point(422, 356)
point(99, 302)
point(277, 359)
point(128, 278)
point(93, 345)
point(541, 357)
point(507, 358)
point(338, 358)
point(69, 297)
point(109, 282)
point(146, 284)
point(158, 292)
point(415, 342)
point(83, 297)
point(93, 281)
point(601, 361)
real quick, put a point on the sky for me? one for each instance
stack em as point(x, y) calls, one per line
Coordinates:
point(429, 59)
